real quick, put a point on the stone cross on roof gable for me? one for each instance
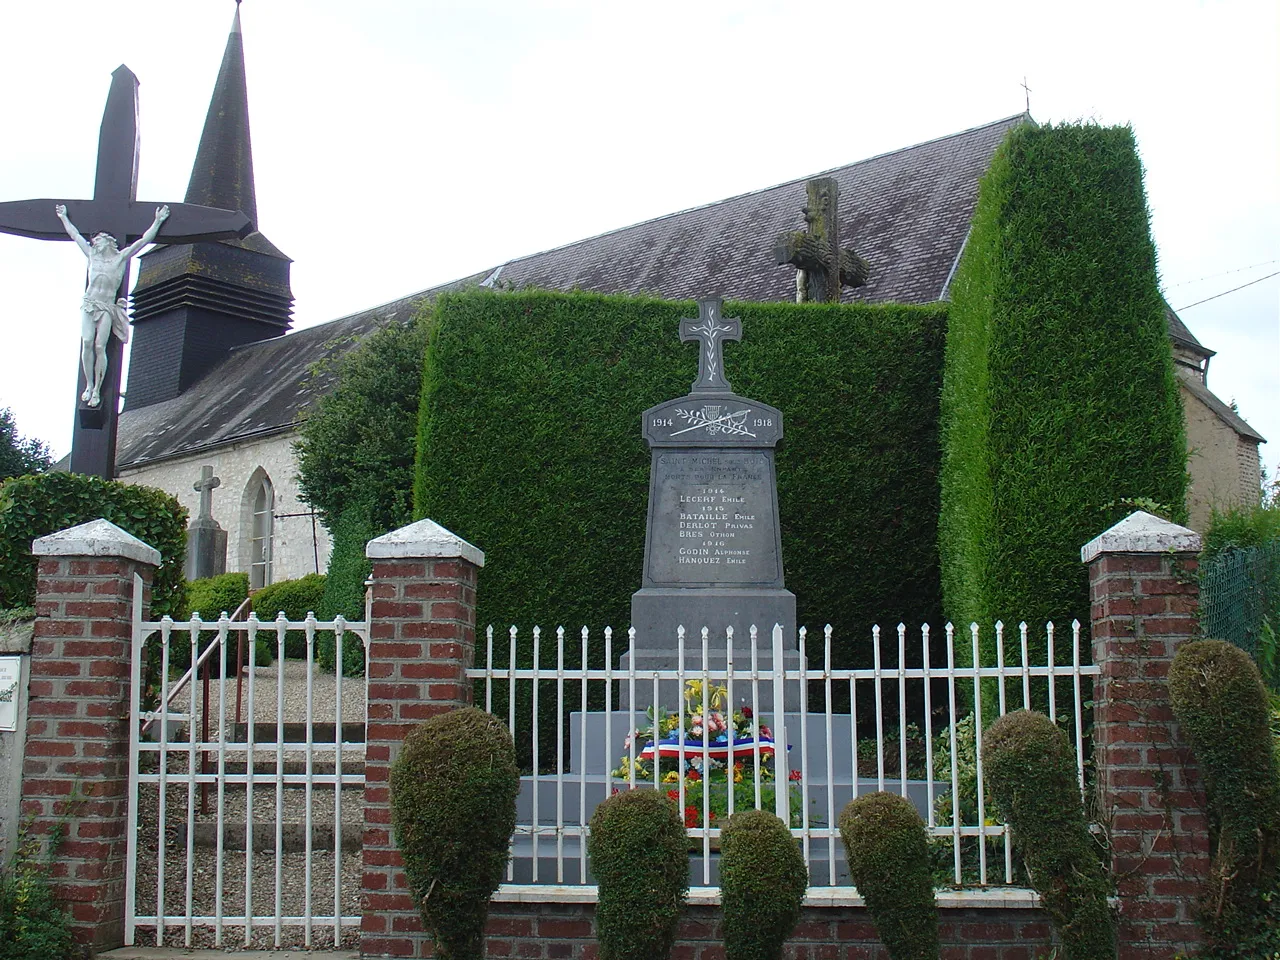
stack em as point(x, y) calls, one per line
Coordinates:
point(115, 210)
point(205, 487)
point(815, 251)
point(711, 329)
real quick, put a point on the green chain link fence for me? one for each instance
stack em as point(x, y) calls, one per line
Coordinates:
point(1240, 602)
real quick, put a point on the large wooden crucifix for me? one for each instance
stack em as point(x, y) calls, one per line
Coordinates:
point(116, 214)
point(823, 266)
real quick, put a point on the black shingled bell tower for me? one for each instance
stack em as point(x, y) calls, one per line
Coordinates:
point(194, 302)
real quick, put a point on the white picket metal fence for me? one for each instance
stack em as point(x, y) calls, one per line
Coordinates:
point(224, 778)
point(925, 723)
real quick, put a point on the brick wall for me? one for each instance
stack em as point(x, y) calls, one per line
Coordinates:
point(76, 761)
point(565, 930)
point(421, 641)
point(1144, 601)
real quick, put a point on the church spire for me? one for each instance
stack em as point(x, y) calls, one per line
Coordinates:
point(194, 303)
point(223, 171)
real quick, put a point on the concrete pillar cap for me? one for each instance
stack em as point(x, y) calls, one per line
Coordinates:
point(423, 539)
point(97, 538)
point(1142, 533)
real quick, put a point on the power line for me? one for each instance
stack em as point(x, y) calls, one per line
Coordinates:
point(1211, 276)
point(1274, 273)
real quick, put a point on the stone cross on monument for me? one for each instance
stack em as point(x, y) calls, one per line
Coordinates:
point(712, 329)
point(823, 266)
point(114, 213)
point(206, 540)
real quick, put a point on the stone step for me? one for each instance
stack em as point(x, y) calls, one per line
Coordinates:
point(266, 731)
point(266, 768)
point(293, 836)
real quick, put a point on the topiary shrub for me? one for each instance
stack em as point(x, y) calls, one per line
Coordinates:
point(1031, 774)
point(888, 851)
point(35, 506)
point(762, 883)
point(639, 854)
point(1219, 700)
point(453, 808)
point(296, 598)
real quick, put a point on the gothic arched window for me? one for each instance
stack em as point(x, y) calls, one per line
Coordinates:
point(262, 502)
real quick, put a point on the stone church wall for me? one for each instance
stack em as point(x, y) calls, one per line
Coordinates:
point(295, 550)
point(1223, 466)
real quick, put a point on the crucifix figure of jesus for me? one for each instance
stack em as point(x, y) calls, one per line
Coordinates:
point(115, 219)
point(102, 313)
point(823, 267)
point(711, 329)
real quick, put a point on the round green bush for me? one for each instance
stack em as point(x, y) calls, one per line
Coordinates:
point(453, 809)
point(1031, 774)
point(762, 883)
point(295, 598)
point(888, 852)
point(209, 598)
point(639, 854)
point(1220, 701)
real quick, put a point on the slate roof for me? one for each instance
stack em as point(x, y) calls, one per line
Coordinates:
point(906, 213)
point(1223, 411)
point(259, 389)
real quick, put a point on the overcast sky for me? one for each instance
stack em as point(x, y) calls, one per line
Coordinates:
point(402, 143)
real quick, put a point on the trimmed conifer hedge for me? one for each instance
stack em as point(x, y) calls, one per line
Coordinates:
point(529, 447)
point(1059, 399)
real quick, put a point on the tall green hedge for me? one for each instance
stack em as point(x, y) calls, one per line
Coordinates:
point(1059, 399)
point(37, 505)
point(529, 446)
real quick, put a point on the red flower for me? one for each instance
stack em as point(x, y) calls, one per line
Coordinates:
point(615, 791)
point(795, 775)
point(694, 775)
point(673, 795)
point(690, 816)
point(746, 713)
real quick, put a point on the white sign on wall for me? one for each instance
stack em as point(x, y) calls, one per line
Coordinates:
point(10, 677)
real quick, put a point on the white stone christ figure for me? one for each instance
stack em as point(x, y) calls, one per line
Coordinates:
point(102, 314)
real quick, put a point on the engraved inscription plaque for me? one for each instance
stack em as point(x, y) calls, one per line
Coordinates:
point(713, 519)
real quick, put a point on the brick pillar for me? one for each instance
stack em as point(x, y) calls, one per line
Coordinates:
point(76, 762)
point(421, 641)
point(1144, 602)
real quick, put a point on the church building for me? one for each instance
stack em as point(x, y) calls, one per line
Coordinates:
point(216, 378)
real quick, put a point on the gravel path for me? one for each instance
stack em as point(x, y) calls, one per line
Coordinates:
point(267, 696)
point(291, 869)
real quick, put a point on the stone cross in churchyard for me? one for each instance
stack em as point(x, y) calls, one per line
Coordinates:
point(713, 549)
point(206, 540)
point(823, 266)
point(116, 221)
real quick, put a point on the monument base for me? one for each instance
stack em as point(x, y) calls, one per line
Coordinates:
point(658, 612)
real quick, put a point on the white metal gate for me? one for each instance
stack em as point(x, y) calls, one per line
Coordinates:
point(245, 785)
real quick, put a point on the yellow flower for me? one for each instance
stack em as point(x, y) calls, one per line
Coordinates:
point(671, 777)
